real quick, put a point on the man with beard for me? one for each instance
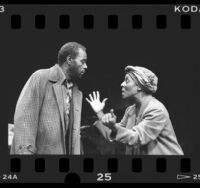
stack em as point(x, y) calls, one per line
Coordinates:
point(48, 112)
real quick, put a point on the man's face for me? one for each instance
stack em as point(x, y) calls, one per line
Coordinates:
point(78, 65)
point(129, 87)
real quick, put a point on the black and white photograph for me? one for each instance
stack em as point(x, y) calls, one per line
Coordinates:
point(47, 117)
point(100, 81)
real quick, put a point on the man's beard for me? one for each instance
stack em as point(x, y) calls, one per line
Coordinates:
point(75, 76)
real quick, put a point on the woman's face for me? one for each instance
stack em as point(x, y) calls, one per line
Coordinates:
point(129, 87)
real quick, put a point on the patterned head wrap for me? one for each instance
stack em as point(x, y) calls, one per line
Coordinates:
point(144, 77)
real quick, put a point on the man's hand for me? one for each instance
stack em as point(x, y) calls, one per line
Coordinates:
point(109, 120)
point(95, 102)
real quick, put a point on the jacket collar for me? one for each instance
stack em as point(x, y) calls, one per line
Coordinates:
point(57, 75)
point(144, 104)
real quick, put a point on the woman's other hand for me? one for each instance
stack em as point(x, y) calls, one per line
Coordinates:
point(109, 120)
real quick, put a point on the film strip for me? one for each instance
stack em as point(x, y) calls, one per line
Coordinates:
point(88, 21)
point(163, 38)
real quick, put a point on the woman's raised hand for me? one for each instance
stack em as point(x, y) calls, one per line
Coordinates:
point(95, 102)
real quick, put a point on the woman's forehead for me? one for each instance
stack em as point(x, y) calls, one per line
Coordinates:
point(127, 76)
point(130, 78)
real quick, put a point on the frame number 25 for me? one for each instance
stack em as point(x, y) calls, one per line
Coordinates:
point(101, 177)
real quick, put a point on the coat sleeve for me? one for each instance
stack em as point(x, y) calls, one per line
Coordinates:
point(26, 117)
point(106, 132)
point(147, 130)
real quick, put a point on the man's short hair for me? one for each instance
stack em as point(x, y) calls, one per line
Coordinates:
point(70, 48)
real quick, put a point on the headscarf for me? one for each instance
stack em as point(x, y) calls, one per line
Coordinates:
point(144, 77)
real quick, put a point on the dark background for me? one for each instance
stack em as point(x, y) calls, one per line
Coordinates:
point(169, 53)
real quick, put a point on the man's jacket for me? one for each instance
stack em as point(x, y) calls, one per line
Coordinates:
point(39, 116)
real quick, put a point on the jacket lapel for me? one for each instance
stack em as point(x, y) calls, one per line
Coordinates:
point(142, 109)
point(131, 118)
point(59, 97)
point(56, 75)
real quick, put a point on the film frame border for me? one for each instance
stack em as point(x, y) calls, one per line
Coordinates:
point(88, 163)
point(105, 169)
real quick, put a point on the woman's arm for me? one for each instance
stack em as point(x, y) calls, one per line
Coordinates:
point(147, 130)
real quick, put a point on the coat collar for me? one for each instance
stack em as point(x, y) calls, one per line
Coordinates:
point(144, 104)
point(57, 75)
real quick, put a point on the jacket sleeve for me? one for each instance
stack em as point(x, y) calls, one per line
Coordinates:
point(106, 132)
point(147, 130)
point(26, 117)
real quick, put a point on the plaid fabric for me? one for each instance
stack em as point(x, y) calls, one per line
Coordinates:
point(39, 115)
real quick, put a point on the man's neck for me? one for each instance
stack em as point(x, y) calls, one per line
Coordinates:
point(66, 72)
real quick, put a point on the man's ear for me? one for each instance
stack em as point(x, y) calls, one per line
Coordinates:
point(69, 60)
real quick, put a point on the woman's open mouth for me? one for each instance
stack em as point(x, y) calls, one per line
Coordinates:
point(82, 72)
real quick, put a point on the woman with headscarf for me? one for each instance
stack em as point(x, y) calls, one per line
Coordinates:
point(146, 128)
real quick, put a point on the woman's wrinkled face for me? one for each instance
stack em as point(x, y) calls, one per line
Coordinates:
point(129, 87)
